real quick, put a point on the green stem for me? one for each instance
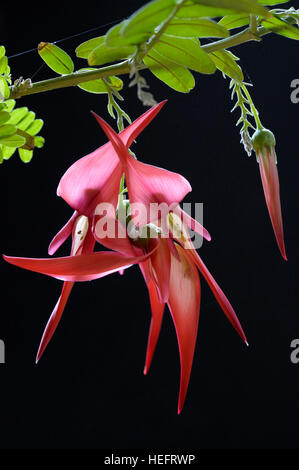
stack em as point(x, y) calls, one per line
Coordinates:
point(253, 108)
point(124, 67)
point(72, 79)
point(253, 24)
point(238, 38)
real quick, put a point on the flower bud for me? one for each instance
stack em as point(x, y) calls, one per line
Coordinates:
point(263, 142)
point(263, 138)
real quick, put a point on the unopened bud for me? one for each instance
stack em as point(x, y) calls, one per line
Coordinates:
point(263, 138)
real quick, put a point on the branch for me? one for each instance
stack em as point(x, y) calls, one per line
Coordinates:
point(124, 67)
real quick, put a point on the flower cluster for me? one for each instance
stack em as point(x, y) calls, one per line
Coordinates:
point(160, 244)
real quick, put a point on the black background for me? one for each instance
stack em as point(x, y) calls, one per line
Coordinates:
point(88, 391)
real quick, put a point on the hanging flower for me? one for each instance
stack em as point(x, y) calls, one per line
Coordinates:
point(264, 145)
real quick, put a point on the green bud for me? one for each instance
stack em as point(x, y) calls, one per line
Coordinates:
point(263, 138)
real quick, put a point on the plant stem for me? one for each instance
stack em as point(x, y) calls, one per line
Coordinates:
point(238, 38)
point(253, 24)
point(124, 67)
point(252, 108)
point(72, 79)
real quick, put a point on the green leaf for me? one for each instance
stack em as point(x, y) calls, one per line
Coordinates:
point(281, 27)
point(39, 141)
point(87, 47)
point(114, 38)
point(4, 117)
point(35, 127)
point(13, 140)
point(4, 89)
point(225, 62)
point(3, 64)
point(25, 155)
point(207, 9)
point(7, 130)
point(248, 6)
point(7, 72)
point(1, 154)
point(148, 17)
point(18, 114)
point(235, 21)
point(25, 123)
point(175, 76)
point(196, 27)
point(57, 59)
point(10, 104)
point(272, 2)
point(104, 54)
point(185, 52)
point(98, 85)
point(2, 51)
point(7, 152)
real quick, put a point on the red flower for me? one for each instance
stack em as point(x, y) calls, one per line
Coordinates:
point(171, 275)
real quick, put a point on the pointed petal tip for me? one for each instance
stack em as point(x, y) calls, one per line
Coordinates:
point(162, 103)
point(38, 356)
point(145, 370)
point(247, 344)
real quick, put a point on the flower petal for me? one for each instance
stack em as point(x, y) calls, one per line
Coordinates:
point(184, 304)
point(146, 183)
point(113, 235)
point(95, 178)
point(160, 263)
point(219, 295)
point(62, 235)
point(85, 267)
point(193, 224)
point(54, 318)
point(270, 181)
point(129, 134)
point(157, 315)
point(92, 179)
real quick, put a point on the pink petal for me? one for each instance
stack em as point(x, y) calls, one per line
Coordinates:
point(92, 179)
point(193, 224)
point(219, 295)
point(116, 239)
point(157, 315)
point(95, 178)
point(54, 318)
point(62, 235)
point(146, 183)
point(270, 181)
point(184, 304)
point(85, 267)
point(160, 263)
point(129, 134)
